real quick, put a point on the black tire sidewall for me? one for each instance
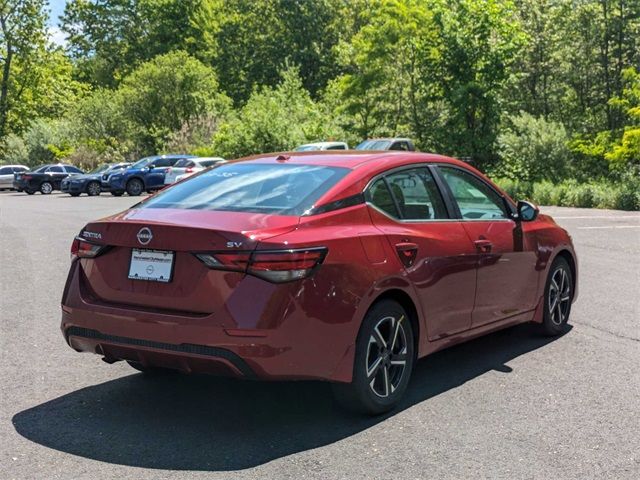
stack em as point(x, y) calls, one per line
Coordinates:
point(363, 396)
point(549, 327)
point(130, 184)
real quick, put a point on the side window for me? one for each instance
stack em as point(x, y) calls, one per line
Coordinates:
point(415, 192)
point(55, 169)
point(165, 162)
point(476, 200)
point(336, 147)
point(380, 196)
point(399, 146)
point(6, 170)
point(19, 169)
point(70, 169)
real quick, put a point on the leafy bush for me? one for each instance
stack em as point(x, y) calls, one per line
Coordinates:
point(543, 192)
point(518, 190)
point(533, 148)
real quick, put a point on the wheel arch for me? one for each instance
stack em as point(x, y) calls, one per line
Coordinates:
point(570, 257)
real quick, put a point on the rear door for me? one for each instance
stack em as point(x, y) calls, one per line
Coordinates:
point(56, 173)
point(155, 177)
point(437, 254)
point(507, 274)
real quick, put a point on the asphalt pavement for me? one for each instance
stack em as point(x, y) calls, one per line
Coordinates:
point(510, 405)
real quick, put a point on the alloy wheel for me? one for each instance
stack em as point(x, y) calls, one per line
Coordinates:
point(46, 188)
point(93, 189)
point(559, 299)
point(386, 358)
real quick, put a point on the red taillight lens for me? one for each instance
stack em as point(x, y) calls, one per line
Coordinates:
point(189, 170)
point(27, 177)
point(80, 248)
point(276, 266)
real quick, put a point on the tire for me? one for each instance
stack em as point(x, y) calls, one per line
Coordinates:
point(94, 189)
point(134, 187)
point(46, 188)
point(116, 193)
point(74, 194)
point(30, 192)
point(558, 294)
point(149, 370)
point(380, 374)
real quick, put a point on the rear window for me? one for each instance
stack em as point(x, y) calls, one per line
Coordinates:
point(260, 188)
point(184, 163)
point(208, 163)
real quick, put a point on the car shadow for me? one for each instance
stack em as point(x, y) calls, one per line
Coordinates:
point(204, 423)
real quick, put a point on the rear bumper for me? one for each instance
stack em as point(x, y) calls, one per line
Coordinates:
point(186, 357)
point(299, 348)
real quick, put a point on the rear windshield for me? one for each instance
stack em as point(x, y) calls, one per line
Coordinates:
point(251, 187)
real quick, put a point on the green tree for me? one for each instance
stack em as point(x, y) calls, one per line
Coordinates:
point(275, 119)
point(164, 93)
point(110, 38)
point(22, 42)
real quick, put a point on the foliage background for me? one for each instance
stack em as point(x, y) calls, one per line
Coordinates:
point(544, 95)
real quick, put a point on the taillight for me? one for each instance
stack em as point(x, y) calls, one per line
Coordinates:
point(80, 248)
point(27, 177)
point(277, 266)
point(188, 170)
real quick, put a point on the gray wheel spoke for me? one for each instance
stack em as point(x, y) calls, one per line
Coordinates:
point(385, 376)
point(373, 369)
point(379, 338)
point(394, 338)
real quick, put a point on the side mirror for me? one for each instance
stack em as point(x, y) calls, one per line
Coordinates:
point(527, 211)
point(151, 167)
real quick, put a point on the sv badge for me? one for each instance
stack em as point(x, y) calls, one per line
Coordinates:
point(234, 244)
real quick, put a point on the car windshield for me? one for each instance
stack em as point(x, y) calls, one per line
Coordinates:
point(374, 145)
point(307, 148)
point(252, 187)
point(143, 162)
point(99, 169)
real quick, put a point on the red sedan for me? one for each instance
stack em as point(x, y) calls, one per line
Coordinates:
point(344, 267)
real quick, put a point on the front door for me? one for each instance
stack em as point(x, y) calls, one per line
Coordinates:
point(507, 276)
point(437, 254)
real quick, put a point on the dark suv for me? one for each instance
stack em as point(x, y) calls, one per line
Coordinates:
point(146, 174)
point(44, 179)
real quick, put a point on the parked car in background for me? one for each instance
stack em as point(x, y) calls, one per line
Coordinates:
point(7, 175)
point(252, 269)
point(90, 183)
point(147, 174)
point(403, 144)
point(188, 166)
point(44, 179)
point(312, 147)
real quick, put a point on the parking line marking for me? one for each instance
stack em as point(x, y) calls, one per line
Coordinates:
point(609, 226)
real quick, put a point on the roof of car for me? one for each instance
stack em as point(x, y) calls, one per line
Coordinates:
point(322, 144)
point(348, 158)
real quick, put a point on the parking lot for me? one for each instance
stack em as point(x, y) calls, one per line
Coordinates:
point(509, 405)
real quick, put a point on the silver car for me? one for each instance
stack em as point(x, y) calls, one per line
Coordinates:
point(6, 175)
point(188, 166)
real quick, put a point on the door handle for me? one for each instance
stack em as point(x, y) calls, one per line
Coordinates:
point(407, 251)
point(483, 245)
